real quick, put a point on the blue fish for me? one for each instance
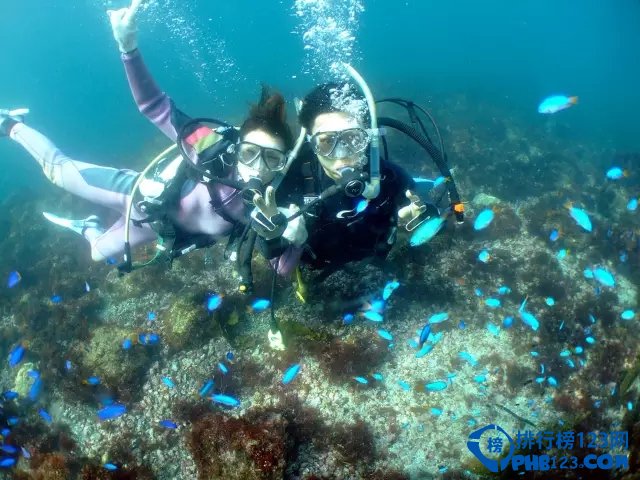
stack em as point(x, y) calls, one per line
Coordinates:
point(223, 368)
point(616, 173)
point(260, 305)
point(45, 415)
point(56, 299)
point(550, 301)
point(16, 355)
point(404, 385)
point(126, 344)
point(556, 103)
point(33, 373)
point(426, 348)
point(227, 400)
point(214, 301)
point(206, 388)
point(168, 382)
point(347, 319)
point(68, 365)
point(581, 217)
point(492, 302)
point(507, 322)
point(7, 462)
point(230, 356)
point(377, 376)
point(529, 319)
point(467, 357)
point(93, 380)
point(424, 334)
point(588, 273)
point(386, 335)
point(632, 204)
point(436, 386)
point(438, 318)
point(562, 253)
point(462, 325)
point(13, 279)
point(35, 389)
point(504, 290)
point(426, 231)
point(87, 287)
point(628, 315)
point(493, 329)
point(552, 381)
point(25, 453)
point(554, 235)
point(361, 380)
point(110, 466)
point(10, 449)
point(11, 395)
point(484, 219)
point(13, 421)
point(484, 256)
point(389, 288)
point(478, 292)
point(151, 316)
point(590, 340)
point(373, 316)
point(112, 411)
point(604, 277)
point(168, 424)
point(291, 373)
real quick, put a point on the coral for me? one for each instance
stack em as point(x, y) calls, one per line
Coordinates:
point(249, 448)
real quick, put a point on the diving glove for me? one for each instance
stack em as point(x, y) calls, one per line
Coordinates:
point(270, 222)
point(8, 119)
point(123, 25)
point(275, 340)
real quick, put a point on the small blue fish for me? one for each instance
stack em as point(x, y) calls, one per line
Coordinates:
point(230, 356)
point(467, 357)
point(529, 319)
point(507, 322)
point(550, 301)
point(478, 292)
point(424, 334)
point(377, 376)
point(10, 395)
point(373, 316)
point(404, 385)
point(554, 235)
point(632, 205)
point(578, 350)
point(386, 335)
point(493, 329)
point(168, 424)
point(389, 288)
point(565, 353)
point(110, 466)
point(68, 365)
point(616, 173)
point(291, 373)
point(628, 315)
point(152, 316)
point(361, 380)
point(462, 325)
point(438, 318)
point(604, 277)
point(426, 348)
point(226, 400)
point(562, 253)
point(45, 415)
point(7, 462)
point(13, 279)
point(347, 319)
point(168, 382)
point(56, 299)
point(588, 273)
point(484, 256)
point(112, 411)
point(126, 344)
point(16, 355)
point(10, 449)
point(504, 290)
point(35, 389)
point(556, 103)
point(87, 287)
point(12, 421)
point(492, 302)
point(426, 231)
point(214, 301)
point(93, 380)
point(111, 261)
point(480, 378)
point(590, 340)
point(25, 453)
point(260, 305)
point(436, 386)
point(484, 219)
point(223, 368)
point(552, 381)
point(206, 388)
point(581, 217)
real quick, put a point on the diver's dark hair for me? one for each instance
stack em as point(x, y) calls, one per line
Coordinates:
point(270, 115)
point(322, 99)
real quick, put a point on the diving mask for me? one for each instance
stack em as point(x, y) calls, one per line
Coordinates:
point(249, 153)
point(340, 143)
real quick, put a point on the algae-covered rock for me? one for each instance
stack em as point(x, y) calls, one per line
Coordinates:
point(23, 380)
point(187, 322)
point(106, 358)
point(484, 200)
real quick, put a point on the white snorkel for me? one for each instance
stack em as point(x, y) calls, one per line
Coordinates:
point(372, 188)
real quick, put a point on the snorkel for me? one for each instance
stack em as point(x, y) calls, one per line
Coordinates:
point(372, 187)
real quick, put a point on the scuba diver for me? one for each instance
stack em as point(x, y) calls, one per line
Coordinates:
point(353, 202)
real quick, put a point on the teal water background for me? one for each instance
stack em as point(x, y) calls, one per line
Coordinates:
point(59, 59)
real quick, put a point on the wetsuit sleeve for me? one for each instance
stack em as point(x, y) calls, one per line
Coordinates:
point(401, 182)
point(156, 105)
